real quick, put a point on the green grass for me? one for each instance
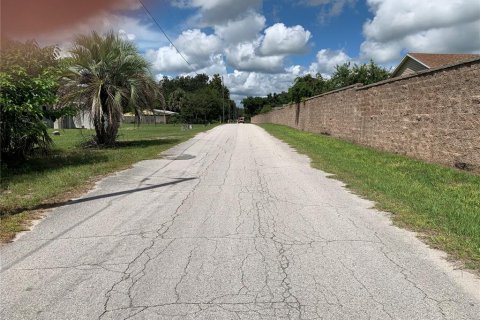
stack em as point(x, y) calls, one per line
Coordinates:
point(70, 169)
point(443, 204)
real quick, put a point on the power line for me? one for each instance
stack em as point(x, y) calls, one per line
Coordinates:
point(165, 34)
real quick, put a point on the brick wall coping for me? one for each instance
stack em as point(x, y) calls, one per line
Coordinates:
point(353, 86)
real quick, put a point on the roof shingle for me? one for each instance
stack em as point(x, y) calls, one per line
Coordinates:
point(435, 60)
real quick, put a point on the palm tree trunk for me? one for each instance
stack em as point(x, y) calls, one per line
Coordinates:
point(99, 125)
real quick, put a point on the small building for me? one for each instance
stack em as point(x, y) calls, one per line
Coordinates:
point(81, 121)
point(155, 116)
point(414, 62)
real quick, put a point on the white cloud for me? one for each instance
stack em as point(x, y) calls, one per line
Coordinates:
point(327, 60)
point(281, 40)
point(329, 8)
point(397, 19)
point(243, 29)
point(243, 57)
point(144, 34)
point(216, 66)
point(462, 38)
point(237, 35)
point(243, 83)
point(440, 26)
point(166, 59)
point(244, 49)
point(198, 48)
point(126, 36)
point(214, 12)
point(197, 44)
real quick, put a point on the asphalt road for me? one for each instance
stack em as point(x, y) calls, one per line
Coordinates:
point(232, 224)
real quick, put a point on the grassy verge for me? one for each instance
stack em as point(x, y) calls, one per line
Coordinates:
point(442, 204)
point(70, 169)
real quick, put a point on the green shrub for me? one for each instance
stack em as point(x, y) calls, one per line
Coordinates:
point(28, 83)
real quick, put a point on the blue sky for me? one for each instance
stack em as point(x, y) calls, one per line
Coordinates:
point(262, 46)
point(339, 32)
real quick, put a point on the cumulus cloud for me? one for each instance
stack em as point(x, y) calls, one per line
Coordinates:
point(198, 44)
point(243, 29)
point(397, 19)
point(327, 60)
point(144, 34)
point(281, 40)
point(239, 34)
point(329, 8)
point(198, 48)
point(166, 59)
point(243, 57)
point(440, 26)
point(239, 41)
point(244, 83)
point(214, 12)
point(216, 66)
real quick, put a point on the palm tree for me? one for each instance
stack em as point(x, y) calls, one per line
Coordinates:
point(107, 75)
point(177, 100)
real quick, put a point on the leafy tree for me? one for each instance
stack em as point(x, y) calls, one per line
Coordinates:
point(253, 105)
point(206, 105)
point(216, 84)
point(309, 86)
point(302, 87)
point(256, 105)
point(178, 100)
point(29, 77)
point(199, 98)
point(232, 110)
point(107, 75)
point(346, 74)
point(265, 109)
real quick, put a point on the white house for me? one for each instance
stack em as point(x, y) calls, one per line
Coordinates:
point(81, 121)
point(156, 116)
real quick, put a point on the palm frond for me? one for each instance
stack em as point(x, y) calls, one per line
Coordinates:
point(107, 75)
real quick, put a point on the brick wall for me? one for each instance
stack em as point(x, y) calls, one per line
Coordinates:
point(433, 115)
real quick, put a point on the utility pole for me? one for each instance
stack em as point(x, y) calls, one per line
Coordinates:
point(223, 102)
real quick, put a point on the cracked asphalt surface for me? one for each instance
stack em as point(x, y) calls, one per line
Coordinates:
point(232, 224)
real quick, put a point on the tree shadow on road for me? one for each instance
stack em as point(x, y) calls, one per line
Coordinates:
point(51, 205)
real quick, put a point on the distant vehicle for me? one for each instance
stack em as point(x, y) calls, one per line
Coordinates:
point(241, 120)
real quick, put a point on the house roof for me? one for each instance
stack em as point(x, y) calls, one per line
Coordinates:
point(166, 112)
point(435, 60)
point(152, 112)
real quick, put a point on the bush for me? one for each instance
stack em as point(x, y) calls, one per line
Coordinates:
point(28, 83)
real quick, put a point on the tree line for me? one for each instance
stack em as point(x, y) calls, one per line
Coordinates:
point(102, 74)
point(199, 99)
point(309, 86)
